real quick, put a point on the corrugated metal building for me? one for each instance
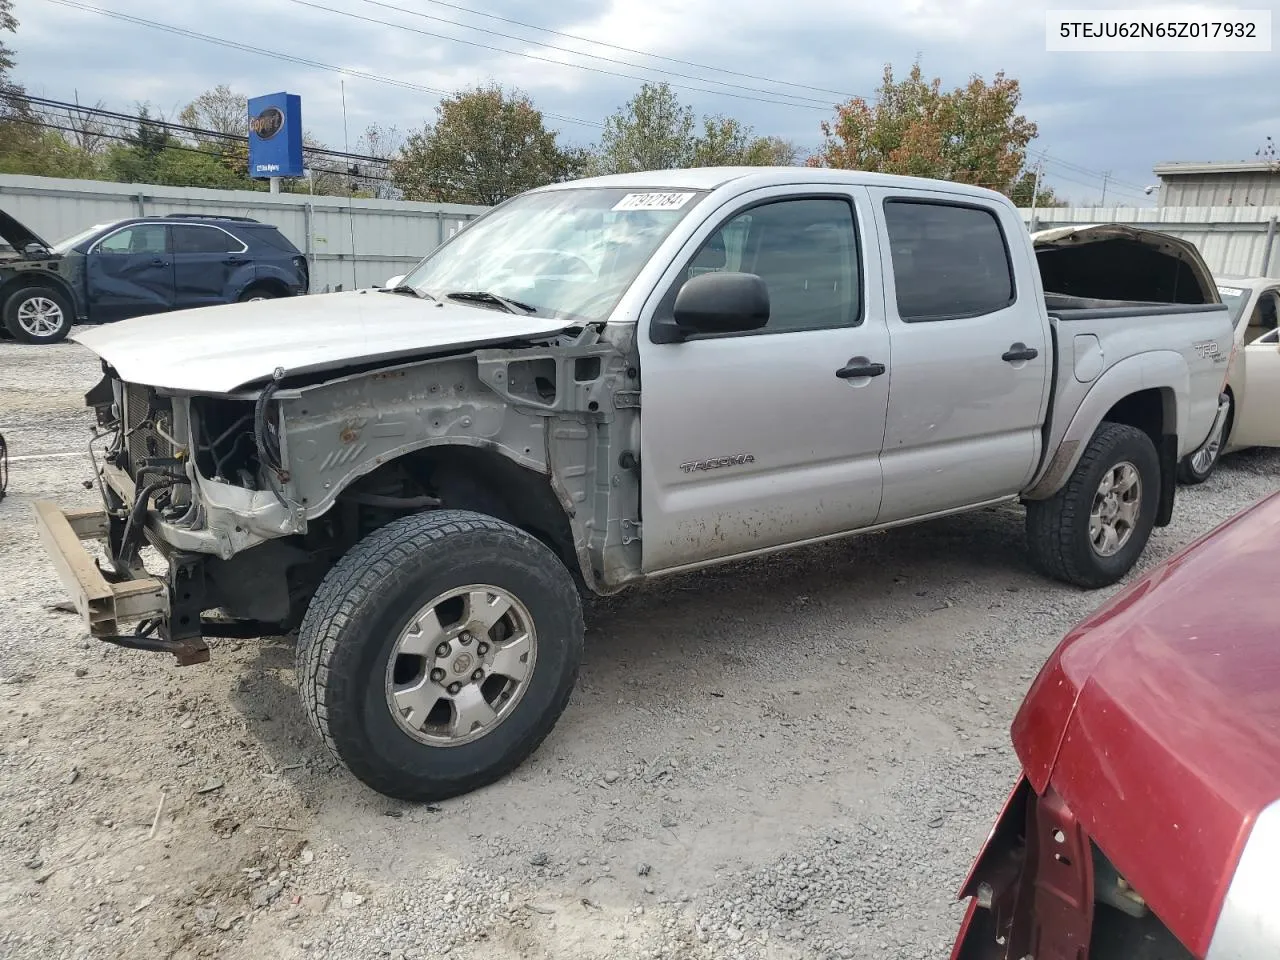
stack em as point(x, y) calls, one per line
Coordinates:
point(350, 242)
point(1252, 184)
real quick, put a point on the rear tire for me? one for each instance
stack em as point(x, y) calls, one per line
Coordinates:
point(38, 315)
point(1197, 467)
point(374, 671)
point(258, 293)
point(1092, 531)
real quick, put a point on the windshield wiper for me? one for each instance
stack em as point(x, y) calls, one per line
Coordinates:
point(405, 288)
point(484, 296)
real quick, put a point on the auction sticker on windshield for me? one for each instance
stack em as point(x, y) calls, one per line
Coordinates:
point(1230, 292)
point(652, 201)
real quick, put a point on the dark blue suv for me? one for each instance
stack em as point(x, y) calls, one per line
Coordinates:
point(143, 265)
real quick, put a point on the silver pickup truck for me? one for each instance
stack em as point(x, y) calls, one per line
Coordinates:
point(613, 379)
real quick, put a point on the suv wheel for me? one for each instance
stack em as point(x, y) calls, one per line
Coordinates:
point(38, 315)
point(258, 293)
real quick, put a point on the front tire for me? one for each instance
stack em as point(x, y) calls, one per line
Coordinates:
point(38, 315)
point(257, 293)
point(439, 652)
point(1092, 531)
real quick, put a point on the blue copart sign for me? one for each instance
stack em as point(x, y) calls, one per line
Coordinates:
point(275, 135)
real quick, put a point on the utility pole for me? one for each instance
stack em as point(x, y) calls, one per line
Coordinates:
point(1035, 192)
point(1105, 176)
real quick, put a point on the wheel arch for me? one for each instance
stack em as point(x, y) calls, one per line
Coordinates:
point(40, 278)
point(1150, 391)
point(270, 284)
point(470, 474)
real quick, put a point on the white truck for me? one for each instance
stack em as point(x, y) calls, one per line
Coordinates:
point(613, 379)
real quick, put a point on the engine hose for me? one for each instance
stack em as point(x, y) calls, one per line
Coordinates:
point(129, 549)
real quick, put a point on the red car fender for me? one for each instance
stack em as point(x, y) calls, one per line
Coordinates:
point(1031, 887)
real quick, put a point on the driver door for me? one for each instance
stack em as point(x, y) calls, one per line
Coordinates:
point(753, 441)
point(130, 273)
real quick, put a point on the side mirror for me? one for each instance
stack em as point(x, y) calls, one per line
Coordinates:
point(722, 303)
point(394, 282)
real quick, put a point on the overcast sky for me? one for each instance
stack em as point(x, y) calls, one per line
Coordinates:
point(1116, 112)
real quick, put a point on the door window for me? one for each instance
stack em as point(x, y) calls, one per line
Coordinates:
point(141, 238)
point(806, 252)
point(193, 239)
point(949, 260)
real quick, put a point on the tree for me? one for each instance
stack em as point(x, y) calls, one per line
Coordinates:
point(1022, 189)
point(652, 131)
point(486, 145)
point(726, 142)
point(973, 134)
point(655, 131)
point(220, 110)
point(8, 24)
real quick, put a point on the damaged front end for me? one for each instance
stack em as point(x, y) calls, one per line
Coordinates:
point(195, 478)
point(1041, 888)
point(250, 497)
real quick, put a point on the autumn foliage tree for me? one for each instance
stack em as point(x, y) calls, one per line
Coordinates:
point(972, 134)
point(655, 131)
point(486, 145)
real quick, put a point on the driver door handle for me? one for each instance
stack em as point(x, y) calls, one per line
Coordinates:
point(159, 262)
point(1019, 351)
point(860, 367)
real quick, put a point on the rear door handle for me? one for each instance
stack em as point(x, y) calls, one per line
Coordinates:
point(236, 260)
point(860, 367)
point(1019, 351)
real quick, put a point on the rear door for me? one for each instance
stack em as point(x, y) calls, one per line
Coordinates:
point(971, 354)
point(753, 441)
point(129, 273)
point(204, 257)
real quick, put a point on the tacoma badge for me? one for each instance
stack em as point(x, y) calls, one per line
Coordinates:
point(737, 460)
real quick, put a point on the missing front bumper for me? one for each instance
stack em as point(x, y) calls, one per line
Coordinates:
point(102, 604)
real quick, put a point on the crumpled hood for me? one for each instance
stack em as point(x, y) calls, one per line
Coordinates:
point(1158, 719)
point(222, 348)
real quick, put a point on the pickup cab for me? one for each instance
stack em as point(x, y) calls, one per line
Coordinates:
point(610, 380)
point(1146, 819)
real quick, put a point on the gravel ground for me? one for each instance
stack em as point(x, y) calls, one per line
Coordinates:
point(795, 756)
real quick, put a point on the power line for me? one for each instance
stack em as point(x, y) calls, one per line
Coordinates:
point(814, 102)
point(182, 128)
point(289, 58)
point(183, 148)
point(1044, 155)
point(604, 43)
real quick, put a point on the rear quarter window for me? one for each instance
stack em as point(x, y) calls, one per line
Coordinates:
point(267, 236)
point(950, 260)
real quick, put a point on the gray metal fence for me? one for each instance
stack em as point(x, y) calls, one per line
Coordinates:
point(358, 243)
point(350, 242)
point(1234, 241)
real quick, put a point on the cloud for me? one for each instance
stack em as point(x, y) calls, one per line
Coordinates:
point(1116, 112)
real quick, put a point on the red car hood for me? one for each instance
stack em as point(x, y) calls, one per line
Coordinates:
point(1157, 719)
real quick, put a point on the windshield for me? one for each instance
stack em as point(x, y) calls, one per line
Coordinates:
point(570, 252)
point(62, 246)
point(1235, 299)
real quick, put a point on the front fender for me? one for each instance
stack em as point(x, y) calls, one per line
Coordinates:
point(1163, 370)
